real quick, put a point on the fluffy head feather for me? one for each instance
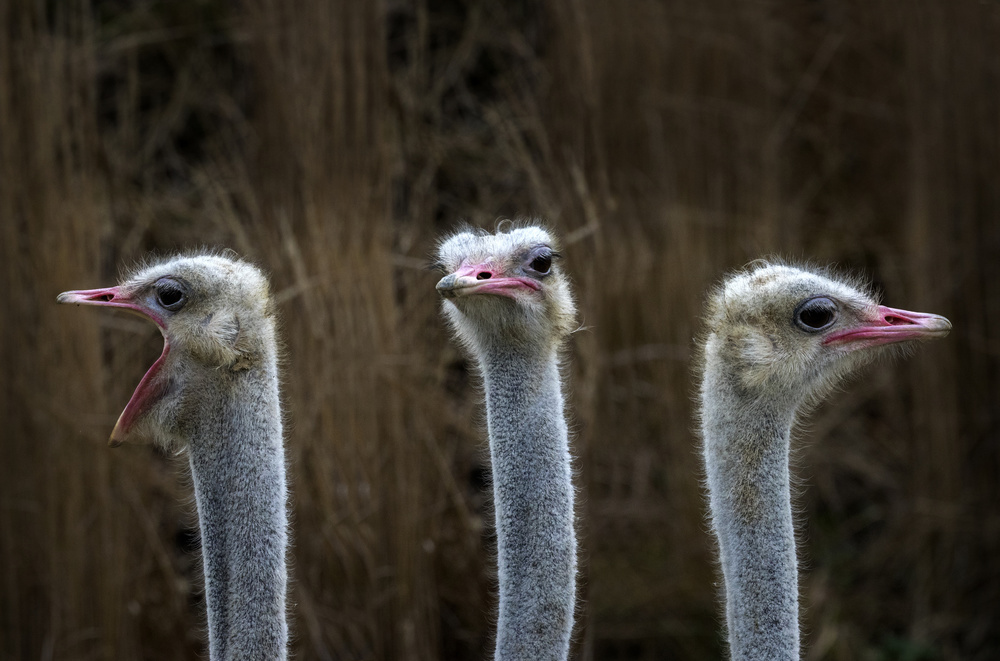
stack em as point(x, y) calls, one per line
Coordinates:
point(505, 288)
point(794, 332)
point(217, 320)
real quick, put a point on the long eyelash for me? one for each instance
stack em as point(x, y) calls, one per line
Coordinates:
point(555, 255)
point(436, 266)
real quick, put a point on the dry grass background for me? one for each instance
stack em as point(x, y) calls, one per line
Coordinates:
point(333, 142)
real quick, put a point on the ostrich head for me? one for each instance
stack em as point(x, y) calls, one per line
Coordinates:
point(216, 319)
point(794, 333)
point(505, 288)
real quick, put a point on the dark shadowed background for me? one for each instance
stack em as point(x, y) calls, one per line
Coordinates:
point(333, 142)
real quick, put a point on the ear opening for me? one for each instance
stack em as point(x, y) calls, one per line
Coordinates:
point(230, 344)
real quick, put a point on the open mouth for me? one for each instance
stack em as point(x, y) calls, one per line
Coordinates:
point(150, 387)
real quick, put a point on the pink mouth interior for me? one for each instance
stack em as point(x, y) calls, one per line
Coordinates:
point(150, 388)
point(148, 391)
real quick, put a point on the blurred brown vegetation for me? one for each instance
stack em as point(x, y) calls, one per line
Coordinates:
point(333, 142)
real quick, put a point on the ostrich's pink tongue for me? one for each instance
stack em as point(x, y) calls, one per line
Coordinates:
point(153, 385)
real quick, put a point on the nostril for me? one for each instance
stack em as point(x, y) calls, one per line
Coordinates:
point(896, 321)
point(484, 275)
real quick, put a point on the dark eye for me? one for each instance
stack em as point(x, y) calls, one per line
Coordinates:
point(542, 263)
point(170, 294)
point(815, 314)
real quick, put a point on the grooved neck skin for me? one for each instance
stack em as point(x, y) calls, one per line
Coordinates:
point(237, 460)
point(533, 496)
point(746, 457)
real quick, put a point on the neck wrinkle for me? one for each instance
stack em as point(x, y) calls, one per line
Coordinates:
point(746, 456)
point(533, 499)
point(237, 461)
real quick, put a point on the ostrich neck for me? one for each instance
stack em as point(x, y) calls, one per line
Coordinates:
point(237, 461)
point(746, 456)
point(533, 497)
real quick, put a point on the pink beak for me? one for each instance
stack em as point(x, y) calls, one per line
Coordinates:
point(482, 279)
point(150, 388)
point(110, 297)
point(892, 325)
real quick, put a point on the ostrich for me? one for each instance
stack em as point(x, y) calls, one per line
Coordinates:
point(511, 307)
point(214, 392)
point(779, 338)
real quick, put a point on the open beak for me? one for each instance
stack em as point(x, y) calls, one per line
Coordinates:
point(150, 388)
point(482, 279)
point(891, 325)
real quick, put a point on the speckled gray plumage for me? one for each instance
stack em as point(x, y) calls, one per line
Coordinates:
point(760, 371)
point(516, 344)
point(237, 462)
point(218, 399)
point(746, 455)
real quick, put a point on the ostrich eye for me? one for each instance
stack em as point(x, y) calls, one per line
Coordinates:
point(542, 263)
point(170, 294)
point(815, 314)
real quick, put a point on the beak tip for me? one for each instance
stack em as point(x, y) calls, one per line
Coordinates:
point(446, 285)
point(110, 295)
point(940, 326)
point(116, 439)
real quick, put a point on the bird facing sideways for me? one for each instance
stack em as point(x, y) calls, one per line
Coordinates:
point(508, 302)
point(778, 338)
point(214, 393)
